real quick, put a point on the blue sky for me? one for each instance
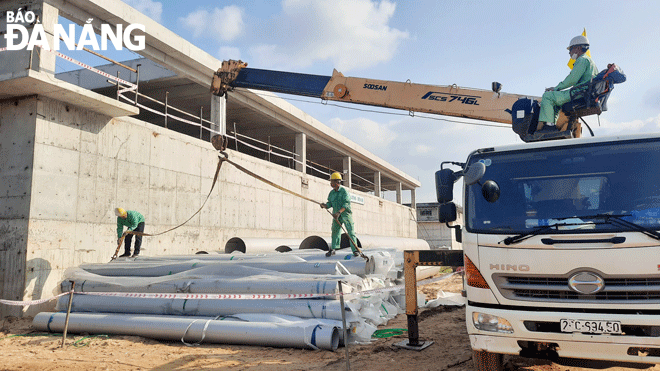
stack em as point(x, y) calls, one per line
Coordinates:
point(521, 44)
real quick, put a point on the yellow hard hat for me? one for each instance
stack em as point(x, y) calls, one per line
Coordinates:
point(335, 176)
point(120, 212)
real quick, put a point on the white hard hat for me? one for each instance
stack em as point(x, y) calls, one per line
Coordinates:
point(578, 40)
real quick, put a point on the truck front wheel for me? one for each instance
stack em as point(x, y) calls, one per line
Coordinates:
point(485, 361)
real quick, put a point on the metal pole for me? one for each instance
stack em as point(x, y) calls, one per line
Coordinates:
point(166, 94)
point(235, 136)
point(68, 311)
point(201, 121)
point(343, 322)
point(117, 85)
point(137, 83)
point(269, 148)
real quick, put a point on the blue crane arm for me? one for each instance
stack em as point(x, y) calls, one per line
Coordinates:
point(281, 82)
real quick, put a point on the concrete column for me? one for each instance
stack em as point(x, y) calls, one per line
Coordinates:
point(398, 193)
point(14, 64)
point(219, 114)
point(412, 199)
point(301, 152)
point(377, 184)
point(347, 172)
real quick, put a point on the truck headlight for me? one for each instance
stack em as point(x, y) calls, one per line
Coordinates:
point(487, 322)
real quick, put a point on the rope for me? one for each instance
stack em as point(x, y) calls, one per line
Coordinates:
point(259, 177)
point(121, 239)
point(220, 143)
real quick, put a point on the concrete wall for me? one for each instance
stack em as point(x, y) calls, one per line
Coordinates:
point(17, 124)
point(82, 165)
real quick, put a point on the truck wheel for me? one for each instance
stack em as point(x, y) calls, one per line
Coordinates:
point(485, 361)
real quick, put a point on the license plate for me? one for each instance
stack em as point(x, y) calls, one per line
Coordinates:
point(590, 327)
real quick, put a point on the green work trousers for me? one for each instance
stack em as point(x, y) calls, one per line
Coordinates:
point(347, 221)
point(551, 103)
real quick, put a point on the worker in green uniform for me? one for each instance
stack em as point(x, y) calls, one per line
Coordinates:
point(134, 221)
point(584, 69)
point(340, 202)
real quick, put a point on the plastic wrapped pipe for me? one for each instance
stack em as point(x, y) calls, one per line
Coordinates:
point(303, 308)
point(300, 334)
point(261, 284)
point(258, 245)
point(164, 269)
point(236, 255)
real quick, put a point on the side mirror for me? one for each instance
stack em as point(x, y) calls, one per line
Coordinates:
point(444, 185)
point(447, 212)
point(491, 191)
point(474, 173)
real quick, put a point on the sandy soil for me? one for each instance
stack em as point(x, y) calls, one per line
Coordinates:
point(24, 349)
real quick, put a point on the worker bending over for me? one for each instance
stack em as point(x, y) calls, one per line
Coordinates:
point(584, 69)
point(134, 221)
point(340, 202)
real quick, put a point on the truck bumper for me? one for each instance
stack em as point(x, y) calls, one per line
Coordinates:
point(621, 348)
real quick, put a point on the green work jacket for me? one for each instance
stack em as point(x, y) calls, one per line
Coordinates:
point(133, 218)
point(338, 199)
point(583, 70)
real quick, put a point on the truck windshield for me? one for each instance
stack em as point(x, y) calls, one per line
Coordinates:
point(546, 186)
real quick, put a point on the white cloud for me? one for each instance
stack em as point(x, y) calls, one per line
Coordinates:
point(373, 136)
point(229, 52)
point(649, 125)
point(348, 33)
point(150, 8)
point(225, 24)
point(422, 149)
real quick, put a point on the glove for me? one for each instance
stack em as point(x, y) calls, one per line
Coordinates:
point(322, 206)
point(336, 215)
point(550, 89)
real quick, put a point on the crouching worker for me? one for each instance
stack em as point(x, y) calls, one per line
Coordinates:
point(134, 221)
point(340, 202)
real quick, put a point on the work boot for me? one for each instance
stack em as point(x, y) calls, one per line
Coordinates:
point(135, 254)
point(330, 253)
point(125, 255)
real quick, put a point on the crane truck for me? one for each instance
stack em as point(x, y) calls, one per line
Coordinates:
point(559, 236)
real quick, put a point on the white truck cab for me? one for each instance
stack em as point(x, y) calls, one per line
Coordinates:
point(562, 253)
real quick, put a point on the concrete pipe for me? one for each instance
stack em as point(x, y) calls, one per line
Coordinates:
point(258, 245)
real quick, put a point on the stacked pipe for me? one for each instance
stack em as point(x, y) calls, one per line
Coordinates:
point(303, 272)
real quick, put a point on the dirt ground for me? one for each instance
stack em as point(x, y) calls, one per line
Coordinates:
point(24, 349)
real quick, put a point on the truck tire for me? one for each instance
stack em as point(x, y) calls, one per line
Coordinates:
point(485, 361)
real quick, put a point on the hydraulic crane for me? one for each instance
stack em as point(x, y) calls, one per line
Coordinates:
point(521, 111)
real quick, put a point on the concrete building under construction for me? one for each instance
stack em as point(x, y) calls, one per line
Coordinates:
point(74, 146)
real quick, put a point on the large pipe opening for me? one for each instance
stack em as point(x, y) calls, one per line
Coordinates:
point(235, 244)
point(314, 242)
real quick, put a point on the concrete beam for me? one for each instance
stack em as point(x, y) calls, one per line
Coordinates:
point(40, 83)
point(301, 152)
point(398, 193)
point(218, 114)
point(377, 183)
point(348, 180)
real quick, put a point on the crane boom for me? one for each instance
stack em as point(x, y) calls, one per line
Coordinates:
point(450, 100)
point(520, 111)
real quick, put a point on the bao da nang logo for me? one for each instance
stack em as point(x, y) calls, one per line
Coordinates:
point(19, 37)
